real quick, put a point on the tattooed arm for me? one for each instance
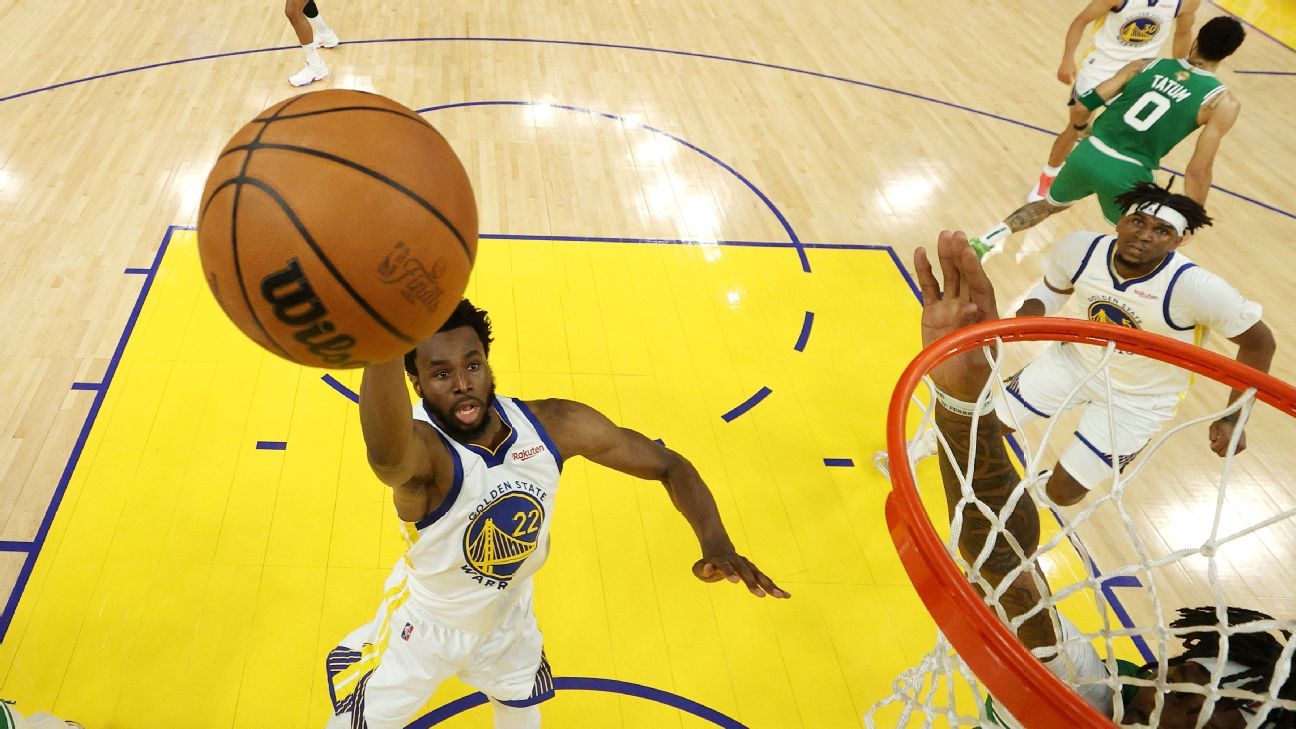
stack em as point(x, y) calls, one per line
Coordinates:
point(969, 298)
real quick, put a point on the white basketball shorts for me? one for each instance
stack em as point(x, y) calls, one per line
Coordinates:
point(1040, 391)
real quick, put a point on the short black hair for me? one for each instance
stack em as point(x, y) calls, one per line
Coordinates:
point(1258, 653)
point(1148, 193)
point(464, 315)
point(1219, 37)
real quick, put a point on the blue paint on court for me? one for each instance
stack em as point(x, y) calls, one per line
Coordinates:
point(839, 462)
point(271, 445)
point(606, 685)
point(746, 405)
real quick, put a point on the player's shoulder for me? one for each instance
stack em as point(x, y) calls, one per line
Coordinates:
point(1079, 243)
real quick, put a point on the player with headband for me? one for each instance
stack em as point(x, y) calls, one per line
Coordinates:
point(1136, 278)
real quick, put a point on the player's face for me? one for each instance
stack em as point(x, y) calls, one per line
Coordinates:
point(455, 382)
point(1181, 708)
point(1144, 240)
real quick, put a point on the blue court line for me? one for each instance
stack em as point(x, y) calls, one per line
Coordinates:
point(87, 385)
point(646, 49)
point(42, 531)
point(747, 404)
point(1251, 25)
point(1268, 73)
point(687, 242)
point(805, 332)
point(17, 546)
point(141, 271)
point(346, 391)
point(1105, 585)
point(272, 445)
point(660, 442)
point(787, 227)
point(839, 462)
point(576, 683)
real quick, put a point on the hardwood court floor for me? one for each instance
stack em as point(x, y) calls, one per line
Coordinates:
point(189, 579)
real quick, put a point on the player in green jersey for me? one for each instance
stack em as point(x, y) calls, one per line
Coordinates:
point(1152, 105)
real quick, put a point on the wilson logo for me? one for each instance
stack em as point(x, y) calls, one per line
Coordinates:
point(524, 454)
point(294, 301)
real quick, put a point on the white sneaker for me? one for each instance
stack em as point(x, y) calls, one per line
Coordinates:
point(327, 39)
point(308, 75)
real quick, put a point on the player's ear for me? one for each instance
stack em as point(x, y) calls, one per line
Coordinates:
point(418, 389)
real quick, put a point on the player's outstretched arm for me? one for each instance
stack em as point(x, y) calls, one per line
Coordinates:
point(1221, 113)
point(968, 298)
point(399, 449)
point(1256, 348)
point(580, 430)
point(1091, 12)
point(1183, 35)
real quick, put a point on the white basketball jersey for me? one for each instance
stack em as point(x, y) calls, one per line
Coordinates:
point(1139, 29)
point(1139, 303)
point(473, 557)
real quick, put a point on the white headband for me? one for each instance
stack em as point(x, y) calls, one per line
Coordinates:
point(1164, 213)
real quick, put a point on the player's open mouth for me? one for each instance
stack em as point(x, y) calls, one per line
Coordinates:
point(467, 412)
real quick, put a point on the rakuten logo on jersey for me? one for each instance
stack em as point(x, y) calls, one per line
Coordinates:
point(524, 454)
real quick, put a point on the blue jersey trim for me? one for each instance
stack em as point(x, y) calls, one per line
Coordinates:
point(1165, 306)
point(1122, 6)
point(540, 430)
point(496, 457)
point(455, 486)
point(1111, 255)
point(1085, 261)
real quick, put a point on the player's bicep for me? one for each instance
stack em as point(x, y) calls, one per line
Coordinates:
point(417, 461)
point(579, 429)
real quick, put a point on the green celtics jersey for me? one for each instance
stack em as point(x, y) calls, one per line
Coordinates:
point(1156, 110)
point(1123, 668)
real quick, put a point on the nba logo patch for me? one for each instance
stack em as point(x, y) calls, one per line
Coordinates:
point(405, 634)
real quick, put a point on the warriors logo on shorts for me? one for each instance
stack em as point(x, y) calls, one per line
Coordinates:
point(1106, 312)
point(503, 535)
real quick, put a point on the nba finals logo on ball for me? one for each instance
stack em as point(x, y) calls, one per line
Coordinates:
point(297, 221)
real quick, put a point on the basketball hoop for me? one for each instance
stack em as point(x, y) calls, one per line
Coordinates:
point(983, 649)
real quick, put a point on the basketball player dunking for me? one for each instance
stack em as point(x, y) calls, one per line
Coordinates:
point(473, 476)
point(1124, 31)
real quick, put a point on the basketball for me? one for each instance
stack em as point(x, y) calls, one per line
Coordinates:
point(337, 229)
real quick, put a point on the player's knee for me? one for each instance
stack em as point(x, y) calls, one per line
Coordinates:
point(1063, 489)
point(293, 8)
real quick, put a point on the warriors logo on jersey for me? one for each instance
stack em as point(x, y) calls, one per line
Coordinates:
point(1139, 30)
point(502, 535)
point(1109, 312)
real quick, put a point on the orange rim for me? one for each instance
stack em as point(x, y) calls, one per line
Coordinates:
point(1000, 661)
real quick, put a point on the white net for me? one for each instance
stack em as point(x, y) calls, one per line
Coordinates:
point(1181, 557)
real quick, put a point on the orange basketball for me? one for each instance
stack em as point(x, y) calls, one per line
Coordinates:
point(337, 228)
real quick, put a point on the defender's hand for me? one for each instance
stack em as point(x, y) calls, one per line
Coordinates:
point(727, 564)
point(1221, 431)
point(968, 298)
point(1066, 72)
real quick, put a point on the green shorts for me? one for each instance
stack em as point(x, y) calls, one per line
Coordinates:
point(1090, 172)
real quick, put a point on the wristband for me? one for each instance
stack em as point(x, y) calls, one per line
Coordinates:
point(966, 409)
point(1091, 100)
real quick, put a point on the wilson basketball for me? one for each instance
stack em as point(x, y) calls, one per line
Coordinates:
point(337, 229)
